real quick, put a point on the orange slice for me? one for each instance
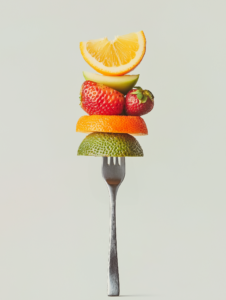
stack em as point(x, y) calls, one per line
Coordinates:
point(117, 57)
point(114, 124)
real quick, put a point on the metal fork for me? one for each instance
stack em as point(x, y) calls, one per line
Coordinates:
point(113, 175)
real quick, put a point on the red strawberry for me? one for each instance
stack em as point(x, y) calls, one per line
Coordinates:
point(98, 99)
point(139, 102)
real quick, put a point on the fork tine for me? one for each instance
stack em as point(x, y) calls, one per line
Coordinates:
point(123, 161)
point(116, 161)
point(105, 161)
point(111, 161)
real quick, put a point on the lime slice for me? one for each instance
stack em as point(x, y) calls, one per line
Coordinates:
point(110, 144)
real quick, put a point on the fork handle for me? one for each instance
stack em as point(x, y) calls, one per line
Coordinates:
point(113, 275)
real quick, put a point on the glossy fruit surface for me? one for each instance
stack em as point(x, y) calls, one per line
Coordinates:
point(99, 99)
point(112, 124)
point(123, 84)
point(117, 57)
point(138, 102)
point(110, 144)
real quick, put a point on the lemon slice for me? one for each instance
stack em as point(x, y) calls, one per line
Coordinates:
point(117, 57)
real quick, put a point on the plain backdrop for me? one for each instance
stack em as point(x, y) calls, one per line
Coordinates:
point(171, 208)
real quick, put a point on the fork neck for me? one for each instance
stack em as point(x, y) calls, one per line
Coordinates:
point(113, 189)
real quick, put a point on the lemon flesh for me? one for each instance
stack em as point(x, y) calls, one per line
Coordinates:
point(110, 144)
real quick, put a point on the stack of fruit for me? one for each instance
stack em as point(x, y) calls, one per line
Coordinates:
point(113, 104)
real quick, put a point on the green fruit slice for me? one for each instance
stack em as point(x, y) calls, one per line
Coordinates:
point(110, 144)
point(123, 84)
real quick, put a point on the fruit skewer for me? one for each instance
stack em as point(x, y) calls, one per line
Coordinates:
point(114, 107)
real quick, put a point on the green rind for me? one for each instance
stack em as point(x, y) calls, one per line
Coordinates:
point(110, 144)
point(123, 84)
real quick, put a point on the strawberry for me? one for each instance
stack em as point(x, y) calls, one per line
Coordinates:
point(139, 102)
point(98, 99)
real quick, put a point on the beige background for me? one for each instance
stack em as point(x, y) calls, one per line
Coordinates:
point(54, 205)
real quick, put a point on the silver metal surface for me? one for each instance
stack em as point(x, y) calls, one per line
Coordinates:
point(113, 174)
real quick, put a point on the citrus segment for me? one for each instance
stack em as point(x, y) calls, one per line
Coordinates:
point(116, 57)
point(114, 124)
point(110, 144)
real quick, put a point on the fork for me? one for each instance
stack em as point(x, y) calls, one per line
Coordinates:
point(113, 174)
